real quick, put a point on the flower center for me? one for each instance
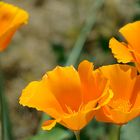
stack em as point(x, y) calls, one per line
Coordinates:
point(71, 111)
point(120, 104)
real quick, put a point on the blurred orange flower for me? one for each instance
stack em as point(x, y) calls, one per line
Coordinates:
point(125, 104)
point(128, 51)
point(71, 97)
point(11, 18)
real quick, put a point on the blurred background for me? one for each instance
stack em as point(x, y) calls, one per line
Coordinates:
point(53, 29)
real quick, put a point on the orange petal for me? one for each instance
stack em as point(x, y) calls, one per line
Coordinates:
point(125, 117)
point(48, 125)
point(120, 51)
point(122, 79)
point(108, 95)
point(135, 97)
point(104, 115)
point(101, 84)
point(116, 116)
point(64, 83)
point(85, 70)
point(99, 102)
point(93, 82)
point(36, 95)
point(131, 33)
point(11, 18)
point(78, 120)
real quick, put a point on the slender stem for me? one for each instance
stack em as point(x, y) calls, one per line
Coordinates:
point(90, 22)
point(6, 129)
point(77, 135)
point(1, 105)
point(119, 132)
point(115, 132)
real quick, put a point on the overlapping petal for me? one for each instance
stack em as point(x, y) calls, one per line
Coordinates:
point(121, 51)
point(131, 34)
point(11, 18)
point(70, 97)
point(64, 83)
point(128, 51)
point(37, 95)
point(125, 105)
point(90, 81)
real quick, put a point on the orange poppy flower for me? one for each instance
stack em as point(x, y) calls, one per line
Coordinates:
point(125, 104)
point(128, 51)
point(70, 97)
point(11, 18)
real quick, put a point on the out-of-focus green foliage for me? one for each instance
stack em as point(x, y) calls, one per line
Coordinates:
point(60, 52)
point(55, 134)
point(58, 132)
point(131, 131)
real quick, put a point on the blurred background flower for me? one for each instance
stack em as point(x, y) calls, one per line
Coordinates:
point(11, 18)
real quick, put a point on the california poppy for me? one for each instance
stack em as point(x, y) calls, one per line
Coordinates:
point(125, 104)
point(129, 50)
point(11, 18)
point(70, 97)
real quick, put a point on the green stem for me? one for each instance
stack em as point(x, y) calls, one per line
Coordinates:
point(6, 129)
point(77, 135)
point(90, 22)
point(119, 132)
point(115, 132)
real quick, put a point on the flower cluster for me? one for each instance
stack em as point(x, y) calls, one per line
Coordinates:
point(74, 97)
point(110, 93)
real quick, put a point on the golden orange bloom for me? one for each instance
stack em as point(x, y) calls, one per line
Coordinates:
point(70, 97)
point(11, 18)
point(128, 51)
point(125, 104)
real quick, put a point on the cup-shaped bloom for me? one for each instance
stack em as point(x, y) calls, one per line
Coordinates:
point(11, 18)
point(129, 50)
point(70, 97)
point(125, 104)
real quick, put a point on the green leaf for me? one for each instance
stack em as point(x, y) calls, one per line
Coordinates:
point(55, 134)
